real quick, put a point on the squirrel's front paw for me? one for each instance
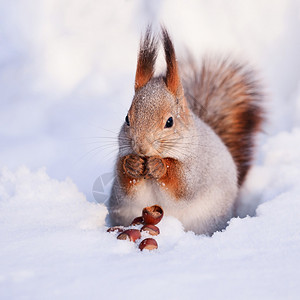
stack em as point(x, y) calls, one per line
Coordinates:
point(134, 165)
point(155, 167)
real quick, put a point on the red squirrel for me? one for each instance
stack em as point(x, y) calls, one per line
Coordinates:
point(187, 142)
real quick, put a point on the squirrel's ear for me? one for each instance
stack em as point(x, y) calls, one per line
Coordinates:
point(146, 59)
point(172, 78)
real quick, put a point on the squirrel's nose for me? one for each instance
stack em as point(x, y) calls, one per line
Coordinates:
point(141, 147)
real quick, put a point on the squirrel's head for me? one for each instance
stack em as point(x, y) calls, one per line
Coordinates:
point(158, 117)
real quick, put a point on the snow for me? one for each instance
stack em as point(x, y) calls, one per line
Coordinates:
point(66, 82)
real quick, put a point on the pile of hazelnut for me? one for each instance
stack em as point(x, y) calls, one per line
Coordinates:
point(150, 217)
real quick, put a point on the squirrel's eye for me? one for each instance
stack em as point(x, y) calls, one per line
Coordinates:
point(169, 123)
point(127, 121)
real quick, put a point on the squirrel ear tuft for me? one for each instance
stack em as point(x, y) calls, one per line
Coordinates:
point(172, 76)
point(146, 59)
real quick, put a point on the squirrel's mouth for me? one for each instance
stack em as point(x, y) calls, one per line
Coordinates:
point(144, 154)
point(142, 149)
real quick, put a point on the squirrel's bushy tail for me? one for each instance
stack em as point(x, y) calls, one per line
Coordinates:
point(226, 95)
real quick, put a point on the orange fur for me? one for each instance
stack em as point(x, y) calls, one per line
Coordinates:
point(146, 60)
point(172, 181)
point(172, 78)
point(227, 97)
point(127, 182)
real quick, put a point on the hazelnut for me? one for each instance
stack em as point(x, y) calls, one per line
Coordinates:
point(116, 228)
point(152, 214)
point(130, 234)
point(151, 229)
point(149, 244)
point(137, 221)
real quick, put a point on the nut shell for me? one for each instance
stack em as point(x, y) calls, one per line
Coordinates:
point(151, 229)
point(130, 234)
point(152, 214)
point(148, 244)
point(137, 221)
point(116, 228)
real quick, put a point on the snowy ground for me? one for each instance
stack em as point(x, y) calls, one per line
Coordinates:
point(66, 79)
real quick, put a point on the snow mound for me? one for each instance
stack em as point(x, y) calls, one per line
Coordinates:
point(33, 201)
point(277, 173)
point(54, 242)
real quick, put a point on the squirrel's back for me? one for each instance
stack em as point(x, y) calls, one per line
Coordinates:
point(226, 96)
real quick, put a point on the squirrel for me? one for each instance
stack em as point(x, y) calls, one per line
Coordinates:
point(187, 142)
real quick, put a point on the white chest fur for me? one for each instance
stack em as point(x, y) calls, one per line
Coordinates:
point(209, 173)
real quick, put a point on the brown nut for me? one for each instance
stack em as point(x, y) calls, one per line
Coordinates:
point(152, 214)
point(148, 244)
point(137, 221)
point(151, 229)
point(116, 228)
point(130, 234)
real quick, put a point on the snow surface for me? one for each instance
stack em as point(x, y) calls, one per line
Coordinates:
point(66, 82)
